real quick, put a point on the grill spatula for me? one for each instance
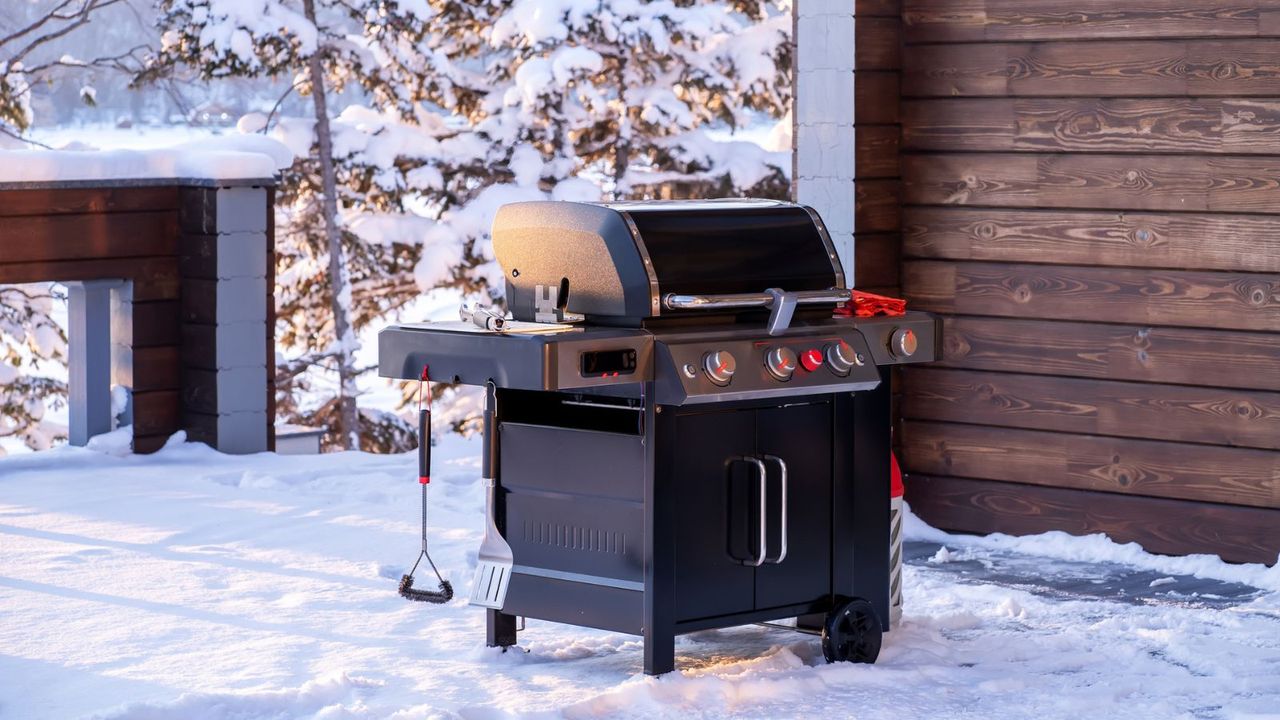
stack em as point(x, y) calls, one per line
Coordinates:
point(494, 561)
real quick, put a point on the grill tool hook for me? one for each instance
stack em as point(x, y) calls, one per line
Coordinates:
point(407, 591)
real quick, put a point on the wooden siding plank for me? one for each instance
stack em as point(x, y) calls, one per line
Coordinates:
point(876, 151)
point(1217, 416)
point(1108, 68)
point(1164, 297)
point(876, 259)
point(879, 43)
point(875, 94)
point(1105, 182)
point(876, 206)
point(156, 412)
point(1220, 126)
point(1205, 473)
point(1218, 358)
point(153, 278)
point(147, 444)
point(88, 236)
point(156, 323)
point(1239, 243)
point(87, 200)
point(975, 20)
point(873, 8)
point(156, 368)
point(1237, 534)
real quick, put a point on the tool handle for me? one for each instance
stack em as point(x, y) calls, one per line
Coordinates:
point(424, 446)
point(490, 456)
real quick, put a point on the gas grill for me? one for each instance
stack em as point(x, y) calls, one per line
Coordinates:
point(680, 434)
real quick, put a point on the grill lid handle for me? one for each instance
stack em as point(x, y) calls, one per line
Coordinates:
point(783, 304)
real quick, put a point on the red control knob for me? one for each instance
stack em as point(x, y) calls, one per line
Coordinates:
point(811, 359)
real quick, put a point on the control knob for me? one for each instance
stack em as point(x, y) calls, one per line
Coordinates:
point(841, 357)
point(811, 360)
point(720, 366)
point(903, 343)
point(781, 362)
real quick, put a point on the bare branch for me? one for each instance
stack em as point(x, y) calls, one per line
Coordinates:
point(73, 22)
point(266, 126)
point(53, 14)
point(114, 62)
point(6, 131)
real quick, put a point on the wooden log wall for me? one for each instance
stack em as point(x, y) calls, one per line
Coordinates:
point(128, 233)
point(143, 234)
point(877, 138)
point(1091, 198)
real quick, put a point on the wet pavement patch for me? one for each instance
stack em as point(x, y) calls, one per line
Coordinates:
point(1064, 579)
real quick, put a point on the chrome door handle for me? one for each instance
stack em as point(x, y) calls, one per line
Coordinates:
point(764, 500)
point(782, 476)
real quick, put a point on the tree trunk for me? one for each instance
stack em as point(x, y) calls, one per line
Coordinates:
point(622, 143)
point(348, 429)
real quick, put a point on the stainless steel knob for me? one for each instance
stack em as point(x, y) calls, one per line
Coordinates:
point(903, 343)
point(720, 366)
point(781, 362)
point(841, 357)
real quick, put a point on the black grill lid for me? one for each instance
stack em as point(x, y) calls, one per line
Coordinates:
point(620, 260)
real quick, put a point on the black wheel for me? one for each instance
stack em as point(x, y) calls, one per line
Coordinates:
point(852, 633)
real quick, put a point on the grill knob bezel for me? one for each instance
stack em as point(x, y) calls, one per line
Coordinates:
point(841, 358)
point(781, 362)
point(904, 342)
point(720, 365)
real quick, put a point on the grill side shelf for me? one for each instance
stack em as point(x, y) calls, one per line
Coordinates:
point(512, 360)
point(879, 334)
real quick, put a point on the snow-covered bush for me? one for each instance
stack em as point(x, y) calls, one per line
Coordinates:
point(29, 338)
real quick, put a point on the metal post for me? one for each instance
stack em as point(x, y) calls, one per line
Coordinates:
point(659, 532)
point(500, 628)
point(89, 362)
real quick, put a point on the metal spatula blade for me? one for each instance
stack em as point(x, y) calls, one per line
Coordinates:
point(493, 566)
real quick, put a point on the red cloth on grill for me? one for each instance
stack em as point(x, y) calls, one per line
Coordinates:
point(867, 304)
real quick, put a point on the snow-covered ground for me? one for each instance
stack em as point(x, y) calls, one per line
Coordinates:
point(194, 585)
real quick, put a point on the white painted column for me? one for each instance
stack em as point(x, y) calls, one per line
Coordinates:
point(89, 359)
point(823, 117)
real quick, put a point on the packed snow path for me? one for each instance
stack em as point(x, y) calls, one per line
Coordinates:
point(193, 585)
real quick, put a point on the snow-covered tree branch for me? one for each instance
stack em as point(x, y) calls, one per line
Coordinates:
point(463, 107)
point(29, 338)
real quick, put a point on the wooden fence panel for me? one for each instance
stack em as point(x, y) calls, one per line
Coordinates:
point(1091, 199)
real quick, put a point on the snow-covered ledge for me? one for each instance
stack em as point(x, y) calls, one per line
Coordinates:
point(169, 264)
point(231, 161)
point(823, 116)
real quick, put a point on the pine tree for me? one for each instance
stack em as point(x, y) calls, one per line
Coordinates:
point(464, 107)
point(324, 46)
point(29, 338)
point(591, 99)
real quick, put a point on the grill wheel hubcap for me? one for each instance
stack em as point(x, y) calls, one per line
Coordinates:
point(851, 633)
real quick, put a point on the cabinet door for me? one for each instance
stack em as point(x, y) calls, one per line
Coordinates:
point(801, 436)
point(714, 513)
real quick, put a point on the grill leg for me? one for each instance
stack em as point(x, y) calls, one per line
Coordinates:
point(500, 629)
point(659, 531)
point(659, 651)
point(869, 515)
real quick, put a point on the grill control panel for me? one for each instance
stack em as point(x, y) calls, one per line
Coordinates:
point(756, 365)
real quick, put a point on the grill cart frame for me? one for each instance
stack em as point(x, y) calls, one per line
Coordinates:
point(685, 459)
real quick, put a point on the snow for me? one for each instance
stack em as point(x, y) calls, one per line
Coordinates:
point(1099, 548)
point(569, 61)
point(190, 584)
point(231, 157)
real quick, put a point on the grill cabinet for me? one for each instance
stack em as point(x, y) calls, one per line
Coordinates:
point(659, 470)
